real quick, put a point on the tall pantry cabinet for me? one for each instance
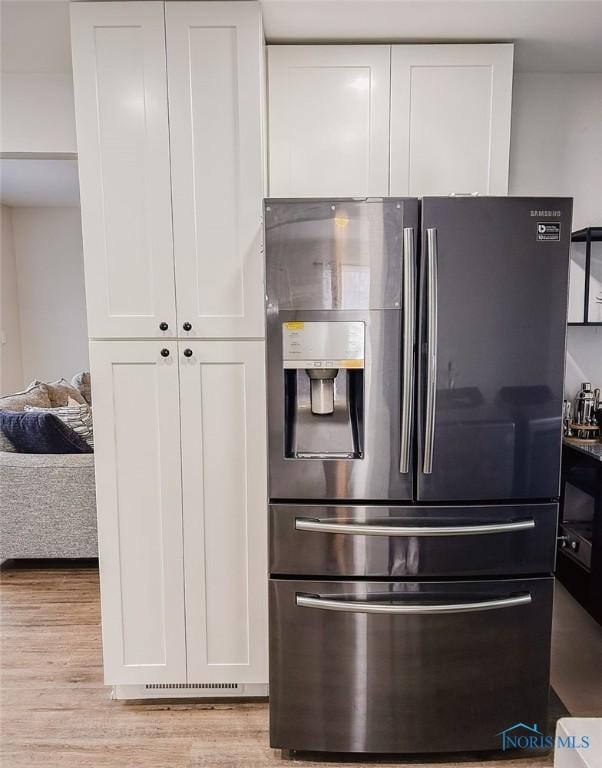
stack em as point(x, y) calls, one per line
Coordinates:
point(169, 129)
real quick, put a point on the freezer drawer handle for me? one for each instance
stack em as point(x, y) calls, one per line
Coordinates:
point(431, 360)
point(361, 529)
point(409, 321)
point(349, 606)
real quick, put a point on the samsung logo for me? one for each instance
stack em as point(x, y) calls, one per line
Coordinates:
point(545, 213)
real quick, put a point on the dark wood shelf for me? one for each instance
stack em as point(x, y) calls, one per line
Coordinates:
point(580, 235)
point(588, 235)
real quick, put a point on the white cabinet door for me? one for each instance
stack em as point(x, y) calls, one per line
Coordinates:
point(225, 510)
point(123, 146)
point(450, 119)
point(329, 120)
point(138, 485)
point(214, 64)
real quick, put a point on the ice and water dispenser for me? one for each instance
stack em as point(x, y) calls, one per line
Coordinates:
point(323, 365)
point(334, 347)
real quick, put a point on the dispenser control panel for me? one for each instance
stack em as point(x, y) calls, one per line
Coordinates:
point(336, 344)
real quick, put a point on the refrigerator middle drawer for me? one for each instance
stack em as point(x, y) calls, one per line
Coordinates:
point(389, 666)
point(405, 541)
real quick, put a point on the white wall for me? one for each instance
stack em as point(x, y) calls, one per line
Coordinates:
point(584, 358)
point(36, 110)
point(38, 113)
point(556, 144)
point(50, 276)
point(11, 368)
point(556, 149)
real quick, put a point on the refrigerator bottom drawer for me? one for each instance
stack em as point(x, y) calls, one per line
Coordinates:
point(407, 667)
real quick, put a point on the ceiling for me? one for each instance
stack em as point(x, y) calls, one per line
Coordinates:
point(551, 35)
point(39, 182)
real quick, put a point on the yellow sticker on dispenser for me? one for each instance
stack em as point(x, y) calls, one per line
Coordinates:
point(295, 325)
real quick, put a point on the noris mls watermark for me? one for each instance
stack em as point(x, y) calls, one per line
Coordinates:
point(523, 736)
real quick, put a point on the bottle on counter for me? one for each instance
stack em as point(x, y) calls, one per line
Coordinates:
point(585, 404)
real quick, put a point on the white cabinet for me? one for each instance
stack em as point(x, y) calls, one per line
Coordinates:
point(169, 108)
point(225, 510)
point(123, 148)
point(182, 517)
point(450, 119)
point(407, 120)
point(200, 152)
point(328, 120)
point(215, 70)
point(138, 486)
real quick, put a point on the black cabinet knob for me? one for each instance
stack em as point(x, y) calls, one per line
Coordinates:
point(163, 326)
point(187, 353)
point(187, 326)
point(164, 352)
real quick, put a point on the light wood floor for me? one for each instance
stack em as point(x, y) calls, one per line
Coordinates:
point(56, 712)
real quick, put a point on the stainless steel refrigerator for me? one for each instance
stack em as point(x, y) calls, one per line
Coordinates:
point(415, 357)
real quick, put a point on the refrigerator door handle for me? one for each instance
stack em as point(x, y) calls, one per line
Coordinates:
point(431, 364)
point(409, 323)
point(353, 606)
point(362, 529)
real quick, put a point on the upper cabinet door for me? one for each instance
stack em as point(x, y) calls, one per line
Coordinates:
point(329, 120)
point(139, 495)
point(123, 146)
point(225, 510)
point(215, 72)
point(450, 119)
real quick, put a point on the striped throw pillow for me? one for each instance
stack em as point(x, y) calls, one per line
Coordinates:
point(78, 417)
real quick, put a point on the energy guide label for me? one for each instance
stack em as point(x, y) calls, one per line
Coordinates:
point(323, 344)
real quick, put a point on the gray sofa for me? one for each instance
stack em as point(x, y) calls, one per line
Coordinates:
point(47, 501)
point(48, 505)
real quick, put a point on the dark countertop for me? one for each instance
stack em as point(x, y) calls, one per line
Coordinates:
point(592, 449)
